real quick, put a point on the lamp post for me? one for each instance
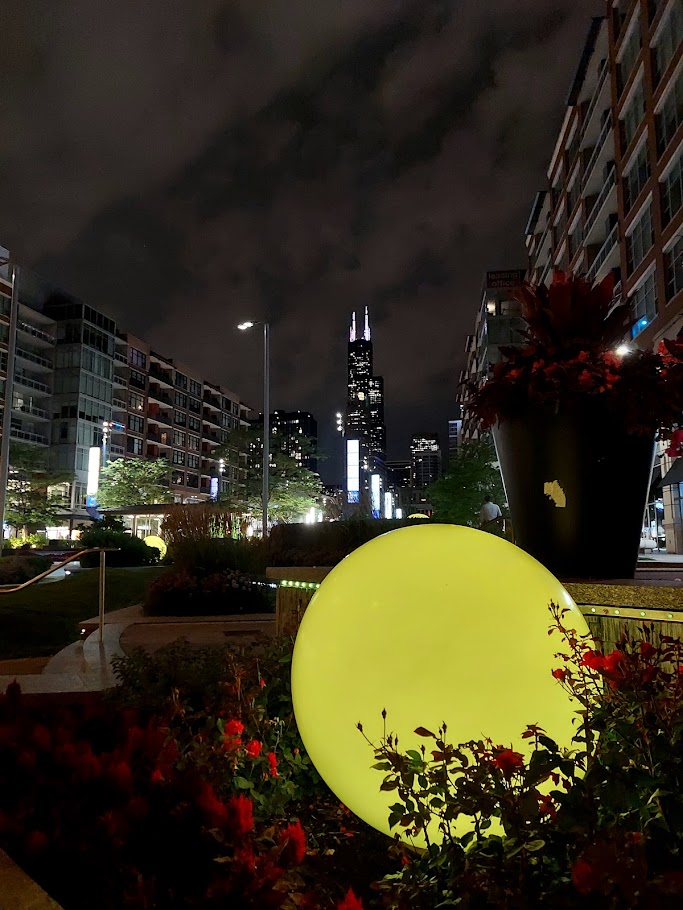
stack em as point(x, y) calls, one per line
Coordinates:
point(243, 326)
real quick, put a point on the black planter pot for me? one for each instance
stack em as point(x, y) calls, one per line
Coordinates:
point(577, 484)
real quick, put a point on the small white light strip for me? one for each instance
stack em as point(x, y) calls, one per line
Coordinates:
point(308, 585)
point(631, 613)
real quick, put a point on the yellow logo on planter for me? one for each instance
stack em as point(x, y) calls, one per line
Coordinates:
point(434, 623)
point(555, 493)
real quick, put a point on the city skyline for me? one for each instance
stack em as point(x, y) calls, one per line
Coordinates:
point(382, 154)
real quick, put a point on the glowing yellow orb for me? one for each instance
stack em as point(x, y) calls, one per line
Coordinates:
point(154, 541)
point(434, 623)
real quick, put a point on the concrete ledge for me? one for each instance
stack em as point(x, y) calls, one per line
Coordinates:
point(18, 891)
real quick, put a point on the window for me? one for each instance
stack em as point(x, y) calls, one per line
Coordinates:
point(673, 261)
point(193, 481)
point(136, 402)
point(193, 461)
point(137, 358)
point(195, 405)
point(669, 38)
point(672, 191)
point(195, 388)
point(98, 340)
point(636, 177)
point(629, 57)
point(235, 407)
point(193, 443)
point(194, 423)
point(181, 381)
point(640, 240)
point(180, 418)
point(134, 445)
point(178, 478)
point(633, 116)
point(178, 457)
point(179, 438)
point(180, 400)
point(671, 114)
point(226, 420)
point(644, 304)
point(138, 380)
point(136, 423)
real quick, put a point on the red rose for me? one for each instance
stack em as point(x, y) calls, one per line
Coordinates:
point(121, 775)
point(231, 743)
point(560, 674)
point(253, 748)
point(593, 660)
point(157, 777)
point(262, 682)
point(675, 444)
point(583, 877)
point(36, 842)
point(294, 841)
point(240, 815)
point(272, 762)
point(647, 650)
point(547, 807)
point(508, 761)
point(234, 728)
point(42, 738)
point(216, 812)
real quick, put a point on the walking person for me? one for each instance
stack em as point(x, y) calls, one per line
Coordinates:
point(488, 513)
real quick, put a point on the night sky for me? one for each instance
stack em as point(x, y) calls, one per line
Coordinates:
point(186, 165)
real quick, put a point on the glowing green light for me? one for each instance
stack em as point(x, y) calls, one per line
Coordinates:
point(616, 612)
point(642, 612)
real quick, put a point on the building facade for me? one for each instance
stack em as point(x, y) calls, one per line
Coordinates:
point(425, 460)
point(498, 324)
point(75, 372)
point(292, 427)
point(614, 199)
point(364, 427)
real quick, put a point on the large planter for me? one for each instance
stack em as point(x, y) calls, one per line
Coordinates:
point(577, 483)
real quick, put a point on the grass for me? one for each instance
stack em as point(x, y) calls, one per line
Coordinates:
point(43, 619)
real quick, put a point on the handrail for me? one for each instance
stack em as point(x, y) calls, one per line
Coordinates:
point(500, 520)
point(60, 565)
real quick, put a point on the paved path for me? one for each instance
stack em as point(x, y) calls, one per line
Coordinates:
point(85, 666)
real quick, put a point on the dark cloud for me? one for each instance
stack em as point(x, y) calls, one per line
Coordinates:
point(186, 165)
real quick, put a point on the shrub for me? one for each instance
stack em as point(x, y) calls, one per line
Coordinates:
point(323, 544)
point(210, 555)
point(95, 805)
point(16, 569)
point(599, 825)
point(223, 593)
point(132, 551)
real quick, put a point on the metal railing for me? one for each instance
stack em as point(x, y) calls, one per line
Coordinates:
point(34, 358)
point(610, 183)
point(60, 565)
point(597, 151)
point(505, 525)
point(17, 433)
point(602, 75)
point(36, 333)
point(32, 383)
point(604, 252)
point(30, 409)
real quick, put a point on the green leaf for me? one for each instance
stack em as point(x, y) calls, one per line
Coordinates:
point(243, 784)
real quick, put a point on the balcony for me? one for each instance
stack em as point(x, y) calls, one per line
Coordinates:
point(119, 404)
point(605, 132)
point(155, 394)
point(211, 418)
point(602, 78)
point(157, 373)
point(38, 334)
point(165, 418)
point(117, 451)
point(28, 437)
point(29, 409)
point(120, 358)
point(212, 402)
point(603, 254)
point(34, 384)
point(605, 192)
point(34, 358)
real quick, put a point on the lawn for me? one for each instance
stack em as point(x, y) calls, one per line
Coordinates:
point(44, 618)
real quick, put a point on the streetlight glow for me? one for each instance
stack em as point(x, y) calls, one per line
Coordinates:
point(623, 350)
point(245, 325)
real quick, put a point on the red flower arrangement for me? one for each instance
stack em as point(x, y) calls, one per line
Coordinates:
point(572, 335)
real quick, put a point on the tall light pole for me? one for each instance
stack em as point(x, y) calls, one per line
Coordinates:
point(243, 326)
point(9, 394)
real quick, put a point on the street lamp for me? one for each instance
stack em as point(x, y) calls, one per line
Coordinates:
point(243, 326)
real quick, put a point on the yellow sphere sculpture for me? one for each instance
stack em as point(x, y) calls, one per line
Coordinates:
point(434, 623)
point(154, 541)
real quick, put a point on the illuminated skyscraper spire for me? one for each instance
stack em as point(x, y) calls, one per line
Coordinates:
point(352, 336)
point(366, 331)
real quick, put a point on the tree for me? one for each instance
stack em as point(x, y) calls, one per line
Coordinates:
point(458, 497)
point(293, 490)
point(133, 482)
point(28, 500)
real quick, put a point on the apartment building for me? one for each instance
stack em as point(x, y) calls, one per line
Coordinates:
point(75, 371)
point(614, 200)
point(498, 324)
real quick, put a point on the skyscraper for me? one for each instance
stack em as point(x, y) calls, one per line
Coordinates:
point(364, 426)
point(425, 460)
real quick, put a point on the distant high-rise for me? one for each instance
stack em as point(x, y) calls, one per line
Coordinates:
point(364, 425)
point(454, 438)
point(293, 427)
point(425, 460)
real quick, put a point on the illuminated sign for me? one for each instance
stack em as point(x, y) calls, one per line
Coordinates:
point(510, 279)
point(214, 489)
point(388, 505)
point(399, 513)
point(93, 482)
point(353, 470)
point(376, 495)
